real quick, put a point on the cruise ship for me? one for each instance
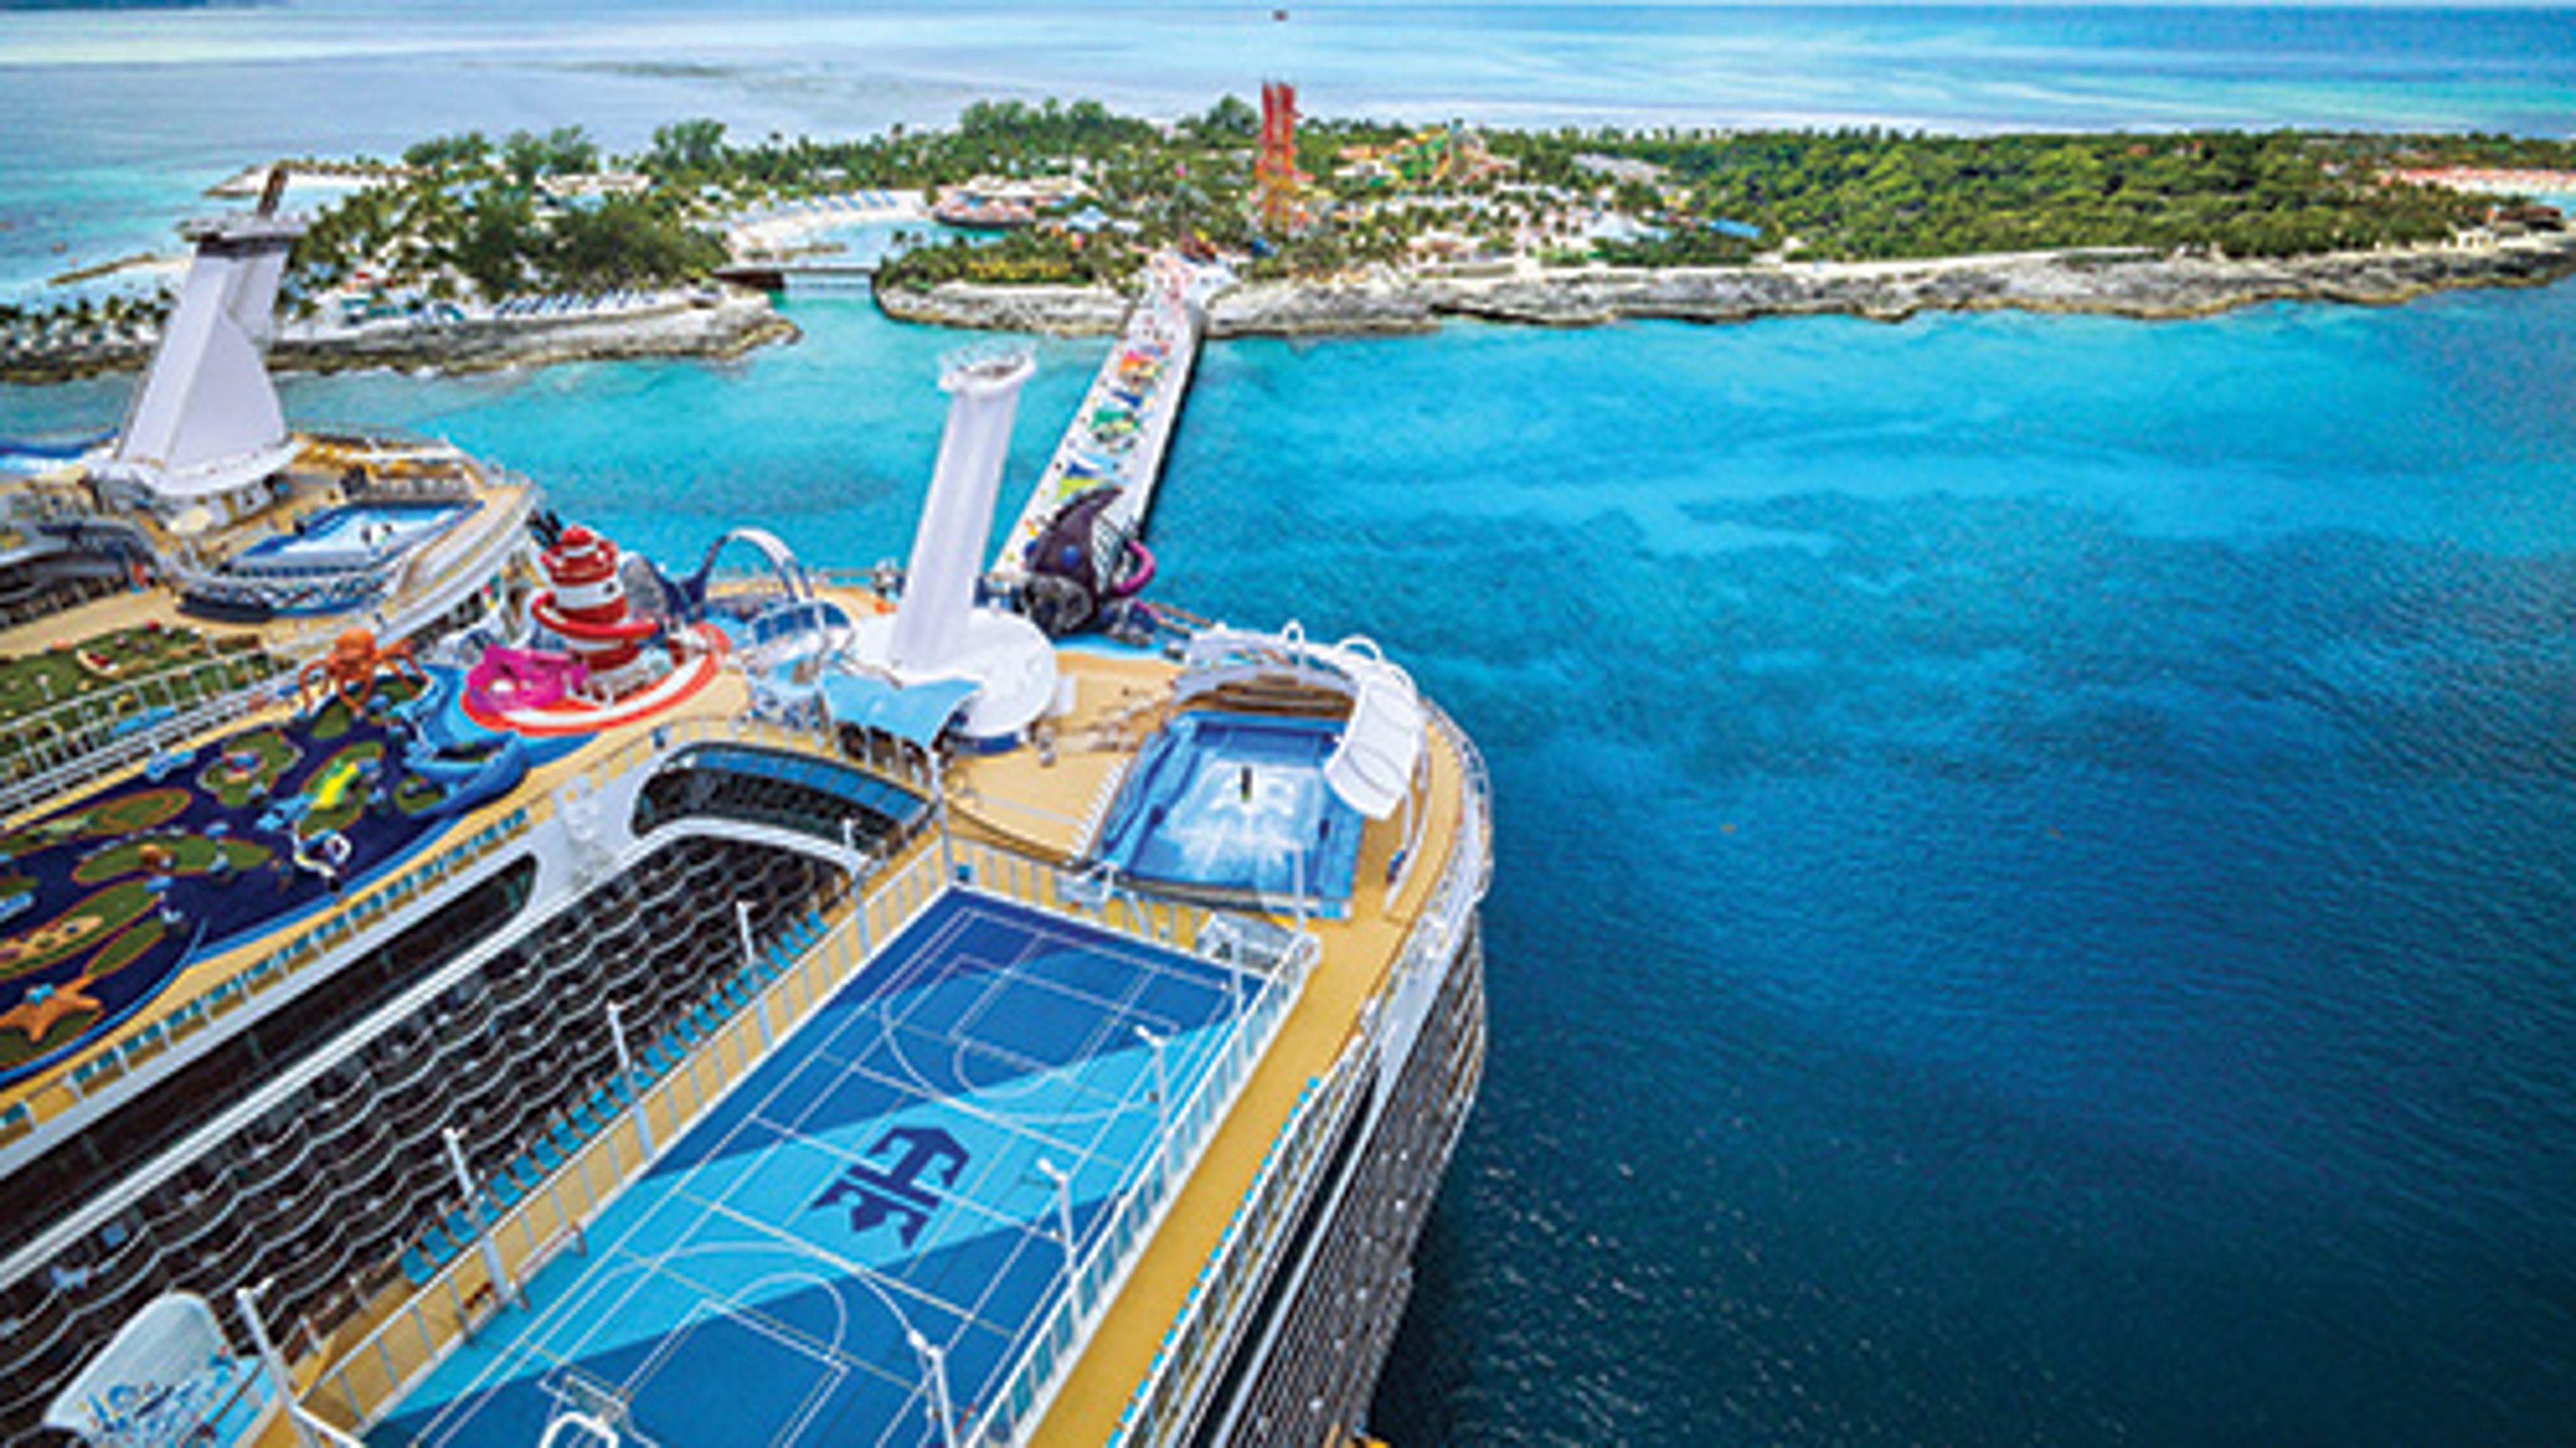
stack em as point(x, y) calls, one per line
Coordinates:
point(468, 984)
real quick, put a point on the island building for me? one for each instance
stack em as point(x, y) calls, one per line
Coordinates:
point(995, 203)
point(462, 982)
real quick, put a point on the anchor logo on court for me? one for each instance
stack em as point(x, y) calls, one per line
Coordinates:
point(895, 1193)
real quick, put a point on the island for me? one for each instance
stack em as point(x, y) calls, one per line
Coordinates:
point(468, 252)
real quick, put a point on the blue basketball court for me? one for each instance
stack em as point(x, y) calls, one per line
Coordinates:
point(892, 1169)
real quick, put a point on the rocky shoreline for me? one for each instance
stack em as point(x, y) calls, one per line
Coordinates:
point(725, 328)
point(2116, 283)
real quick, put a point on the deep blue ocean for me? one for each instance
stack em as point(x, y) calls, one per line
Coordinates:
point(2037, 898)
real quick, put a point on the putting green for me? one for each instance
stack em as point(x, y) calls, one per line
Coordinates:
point(77, 929)
point(273, 755)
point(188, 855)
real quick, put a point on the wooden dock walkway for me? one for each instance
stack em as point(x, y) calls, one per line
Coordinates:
point(1121, 430)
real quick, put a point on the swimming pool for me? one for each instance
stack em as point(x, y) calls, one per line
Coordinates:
point(1236, 805)
point(354, 535)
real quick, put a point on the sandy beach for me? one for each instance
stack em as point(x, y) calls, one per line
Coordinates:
point(775, 232)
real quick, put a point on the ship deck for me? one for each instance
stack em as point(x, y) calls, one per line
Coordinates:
point(1020, 800)
point(884, 1179)
point(724, 1247)
point(275, 929)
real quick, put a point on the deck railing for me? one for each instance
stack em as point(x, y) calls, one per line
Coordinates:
point(369, 910)
point(1152, 1182)
point(354, 1386)
point(91, 734)
point(1189, 1353)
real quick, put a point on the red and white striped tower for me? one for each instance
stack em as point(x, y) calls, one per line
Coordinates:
point(586, 604)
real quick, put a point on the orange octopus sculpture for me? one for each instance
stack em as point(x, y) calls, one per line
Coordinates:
point(350, 671)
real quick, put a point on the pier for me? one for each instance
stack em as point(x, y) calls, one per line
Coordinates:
point(1124, 424)
point(776, 277)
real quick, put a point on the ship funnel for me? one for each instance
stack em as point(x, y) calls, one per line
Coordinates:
point(930, 630)
point(937, 636)
point(206, 421)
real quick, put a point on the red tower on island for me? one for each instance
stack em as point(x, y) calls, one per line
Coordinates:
point(1275, 175)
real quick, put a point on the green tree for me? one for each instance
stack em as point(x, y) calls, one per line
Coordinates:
point(686, 148)
point(1231, 118)
point(469, 149)
point(500, 234)
point(626, 242)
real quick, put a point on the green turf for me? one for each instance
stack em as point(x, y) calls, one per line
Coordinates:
point(318, 821)
point(128, 946)
point(414, 795)
point(132, 813)
point(75, 930)
point(15, 1048)
point(331, 718)
point(276, 755)
point(124, 814)
point(36, 682)
point(189, 855)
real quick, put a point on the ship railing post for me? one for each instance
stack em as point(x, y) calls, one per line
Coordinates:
point(947, 849)
point(246, 1299)
point(1162, 1082)
point(934, 1368)
point(626, 1073)
point(859, 873)
point(1297, 885)
point(751, 968)
point(502, 1286)
point(1064, 1225)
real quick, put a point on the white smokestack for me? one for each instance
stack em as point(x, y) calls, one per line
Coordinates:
point(206, 419)
point(930, 628)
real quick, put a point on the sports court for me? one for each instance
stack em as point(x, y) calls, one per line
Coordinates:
point(891, 1169)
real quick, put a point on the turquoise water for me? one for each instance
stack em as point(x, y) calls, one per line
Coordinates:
point(2034, 882)
point(2033, 871)
point(118, 120)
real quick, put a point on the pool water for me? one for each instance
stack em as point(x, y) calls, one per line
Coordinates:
point(1236, 804)
point(351, 536)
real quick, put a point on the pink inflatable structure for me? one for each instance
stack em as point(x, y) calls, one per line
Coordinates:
point(513, 679)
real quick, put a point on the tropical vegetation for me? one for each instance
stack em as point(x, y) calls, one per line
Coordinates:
point(466, 217)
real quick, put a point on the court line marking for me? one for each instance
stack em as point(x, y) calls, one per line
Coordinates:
point(622, 1271)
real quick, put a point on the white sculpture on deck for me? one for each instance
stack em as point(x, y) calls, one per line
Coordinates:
point(938, 632)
